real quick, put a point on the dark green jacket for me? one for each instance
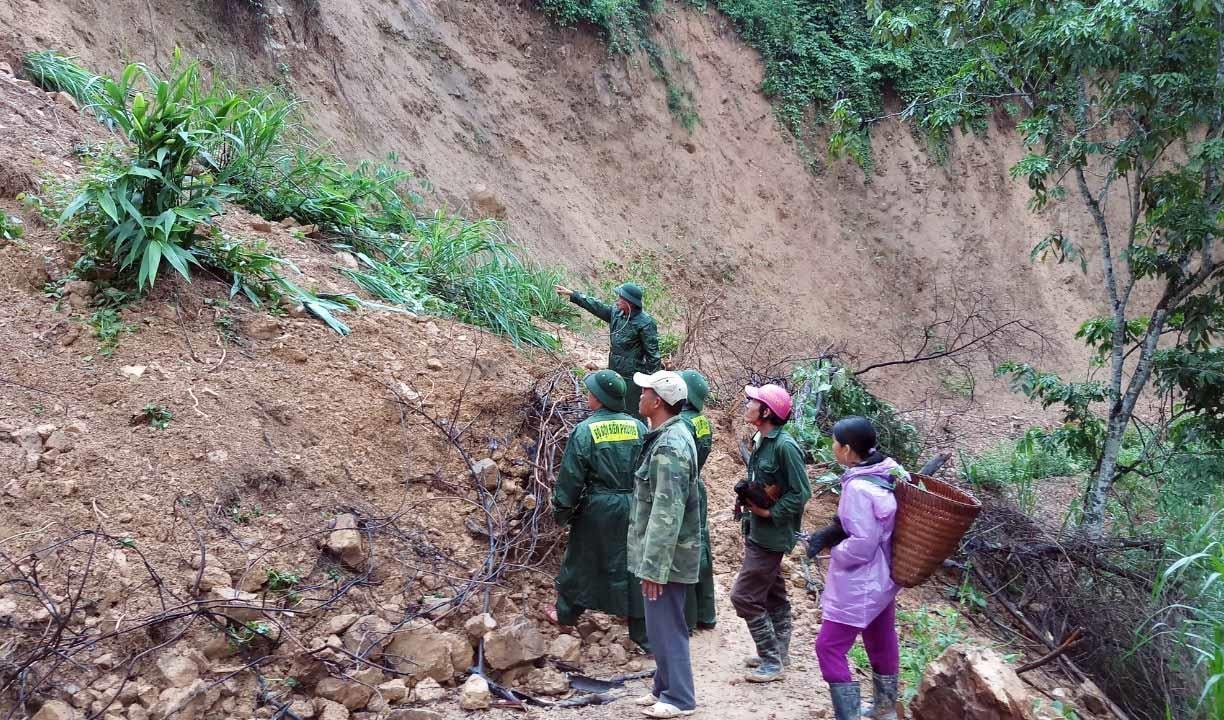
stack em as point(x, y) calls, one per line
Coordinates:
point(633, 344)
point(592, 494)
point(777, 460)
point(665, 521)
point(703, 434)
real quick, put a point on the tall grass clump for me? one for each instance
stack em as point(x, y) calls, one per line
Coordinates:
point(197, 143)
point(1015, 466)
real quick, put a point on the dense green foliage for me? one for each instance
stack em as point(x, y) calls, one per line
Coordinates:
point(1124, 105)
point(195, 144)
point(825, 393)
point(824, 60)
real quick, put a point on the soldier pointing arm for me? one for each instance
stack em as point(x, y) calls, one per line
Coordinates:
point(633, 336)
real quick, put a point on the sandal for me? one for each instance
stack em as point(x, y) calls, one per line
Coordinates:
point(665, 711)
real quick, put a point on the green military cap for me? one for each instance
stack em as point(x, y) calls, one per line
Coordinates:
point(608, 387)
point(631, 293)
point(698, 389)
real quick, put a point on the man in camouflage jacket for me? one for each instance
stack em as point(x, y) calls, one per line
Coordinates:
point(665, 539)
point(633, 336)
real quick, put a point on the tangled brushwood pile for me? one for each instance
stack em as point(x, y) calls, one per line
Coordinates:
point(557, 405)
point(1067, 596)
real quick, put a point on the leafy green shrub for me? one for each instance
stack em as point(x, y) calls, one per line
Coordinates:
point(158, 416)
point(108, 328)
point(11, 228)
point(146, 205)
point(825, 393)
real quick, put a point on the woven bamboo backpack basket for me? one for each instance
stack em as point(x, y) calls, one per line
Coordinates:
point(932, 517)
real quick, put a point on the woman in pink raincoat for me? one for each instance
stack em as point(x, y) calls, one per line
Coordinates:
point(860, 596)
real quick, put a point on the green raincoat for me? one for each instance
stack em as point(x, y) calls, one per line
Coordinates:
point(633, 343)
point(777, 460)
point(592, 494)
point(699, 606)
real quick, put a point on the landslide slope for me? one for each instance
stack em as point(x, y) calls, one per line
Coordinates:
point(579, 153)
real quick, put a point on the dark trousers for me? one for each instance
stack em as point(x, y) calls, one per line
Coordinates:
point(699, 606)
point(759, 588)
point(673, 680)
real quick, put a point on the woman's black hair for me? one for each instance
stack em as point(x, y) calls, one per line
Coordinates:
point(858, 434)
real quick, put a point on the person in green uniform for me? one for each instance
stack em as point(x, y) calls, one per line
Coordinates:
point(773, 495)
point(699, 608)
point(633, 336)
point(592, 494)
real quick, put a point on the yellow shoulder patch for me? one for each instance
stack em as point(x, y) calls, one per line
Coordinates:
point(701, 426)
point(614, 431)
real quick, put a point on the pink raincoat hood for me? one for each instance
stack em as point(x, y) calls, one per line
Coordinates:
point(859, 584)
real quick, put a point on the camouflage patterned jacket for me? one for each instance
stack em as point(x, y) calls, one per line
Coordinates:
point(665, 518)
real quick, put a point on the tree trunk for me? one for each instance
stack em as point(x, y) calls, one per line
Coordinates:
point(1120, 414)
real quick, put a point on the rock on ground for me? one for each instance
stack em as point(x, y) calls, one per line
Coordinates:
point(177, 670)
point(345, 542)
point(55, 710)
point(352, 695)
point(366, 636)
point(566, 647)
point(547, 681)
point(328, 710)
point(517, 643)
point(973, 684)
point(475, 695)
point(420, 650)
point(487, 473)
point(480, 625)
point(428, 690)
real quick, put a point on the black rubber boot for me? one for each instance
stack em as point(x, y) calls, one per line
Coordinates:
point(781, 619)
point(847, 703)
point(766, 641)
point(884, 700)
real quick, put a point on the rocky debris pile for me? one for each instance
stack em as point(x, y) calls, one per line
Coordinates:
point(978, 684)
point(39, 446)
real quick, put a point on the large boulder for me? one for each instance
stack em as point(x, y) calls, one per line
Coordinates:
point(514, 644)
point(367, 636)
point(566, 647)
point(420, 650)
point(972, 684)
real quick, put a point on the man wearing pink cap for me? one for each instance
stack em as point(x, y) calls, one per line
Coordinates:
point(774, 495)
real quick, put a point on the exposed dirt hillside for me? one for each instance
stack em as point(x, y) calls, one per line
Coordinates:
point(236, 514)
point(579, 147)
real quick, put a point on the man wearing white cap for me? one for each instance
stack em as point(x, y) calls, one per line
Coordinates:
point(665, 539)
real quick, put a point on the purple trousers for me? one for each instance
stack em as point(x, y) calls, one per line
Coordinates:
point(879, 638)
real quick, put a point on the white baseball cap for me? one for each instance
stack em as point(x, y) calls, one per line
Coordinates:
point(667, 384)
